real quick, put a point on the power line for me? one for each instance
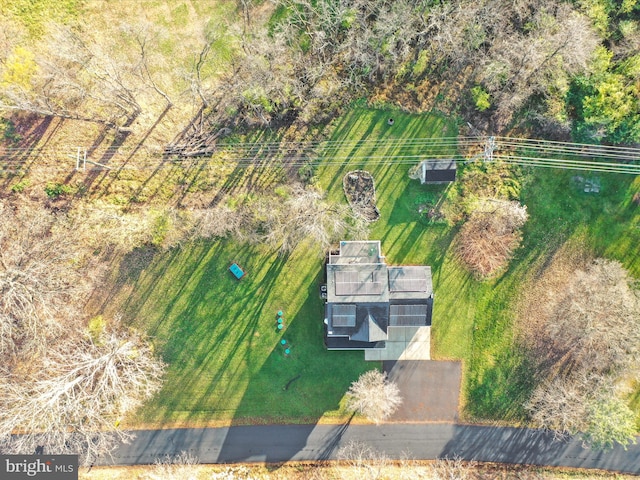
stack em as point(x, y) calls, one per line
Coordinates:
point(370, 151)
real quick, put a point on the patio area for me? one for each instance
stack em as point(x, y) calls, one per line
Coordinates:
point(403, 343)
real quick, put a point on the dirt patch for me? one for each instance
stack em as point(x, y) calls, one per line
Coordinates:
point(361, 194)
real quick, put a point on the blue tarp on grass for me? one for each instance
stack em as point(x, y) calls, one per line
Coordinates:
point(236, 270)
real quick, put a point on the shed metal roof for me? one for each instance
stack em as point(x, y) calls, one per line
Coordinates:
point(441, 170)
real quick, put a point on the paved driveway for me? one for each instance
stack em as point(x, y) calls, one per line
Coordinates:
point(429, 389)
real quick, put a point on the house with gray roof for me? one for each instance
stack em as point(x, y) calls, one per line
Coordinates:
point(368, 300)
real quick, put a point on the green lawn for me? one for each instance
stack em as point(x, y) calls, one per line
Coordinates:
point(470, 318)
point(473, 320)
point(219, 335)
point(498, 376)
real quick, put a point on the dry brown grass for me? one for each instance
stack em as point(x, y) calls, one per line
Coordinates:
point(334, 471)
point(540, 297)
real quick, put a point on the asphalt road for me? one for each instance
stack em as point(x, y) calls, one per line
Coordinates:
point(280, 443)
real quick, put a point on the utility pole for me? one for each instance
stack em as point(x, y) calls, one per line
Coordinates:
point(489, 147)
point(81, 160)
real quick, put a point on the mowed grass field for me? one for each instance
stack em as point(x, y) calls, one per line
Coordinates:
point(219, 337)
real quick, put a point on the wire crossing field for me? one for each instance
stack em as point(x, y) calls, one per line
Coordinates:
point(220, 337)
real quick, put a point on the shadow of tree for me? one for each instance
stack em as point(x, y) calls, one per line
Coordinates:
point(35, 134)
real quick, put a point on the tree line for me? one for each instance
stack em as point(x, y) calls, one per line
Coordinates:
point(564, 67)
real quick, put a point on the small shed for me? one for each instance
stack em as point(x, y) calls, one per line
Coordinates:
point(438, 171)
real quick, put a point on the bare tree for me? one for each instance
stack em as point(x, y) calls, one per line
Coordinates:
point(62, 388)
point(595, 325)
point(373, 396)
point(516, 50)
point(74, 403)
point(557, 43)
point(77, 78)
point(488, 238)
point(143, 34)
point(583, 404)
point(304, 214)
point(558, 405)
point(40, 280)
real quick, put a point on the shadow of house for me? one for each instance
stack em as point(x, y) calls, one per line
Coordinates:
point(369, 302)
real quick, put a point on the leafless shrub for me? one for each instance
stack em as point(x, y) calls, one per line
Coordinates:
point(217, 222)
point(360, 461)
point(488, 238)
point(174, 467)
point(450, 469)
point(373, 396)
